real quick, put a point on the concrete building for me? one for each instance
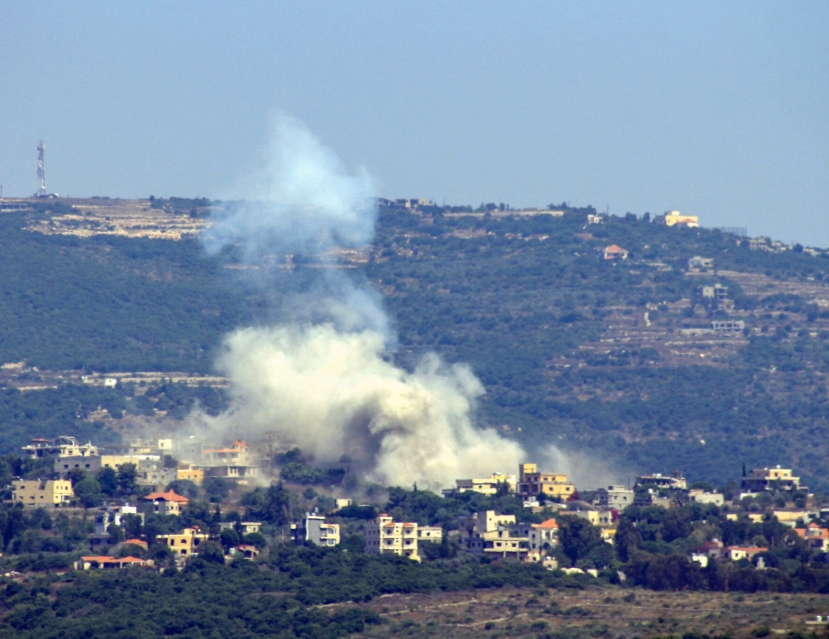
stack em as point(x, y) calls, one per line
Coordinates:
point(430, 533)
point(384, 535)
point(191, 473)
point(617, 497)
point(63, 446)
point(698, 263)
point(319, 532)
point(487, 486)
point(531, 483)
point(42, 492)
point(185, 543)
point(673, 481)
point(168, 503)
point(541, 536)
point(764, 479)
point(702, 497)
point(728, 325)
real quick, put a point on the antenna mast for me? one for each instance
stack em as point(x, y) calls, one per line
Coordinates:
point(41, 172)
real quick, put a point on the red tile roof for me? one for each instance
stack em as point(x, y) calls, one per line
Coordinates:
point(168, 496)
point(550, 523)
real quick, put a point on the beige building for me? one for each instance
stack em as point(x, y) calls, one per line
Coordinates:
point(762, 479)
point(42, 492)
point(430, 533)
point(531, 483)
point(488, 486)
point(168, 503)
point(675, 218)
point(384, 535)
point(185, 543)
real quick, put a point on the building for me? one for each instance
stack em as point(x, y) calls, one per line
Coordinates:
point(320, 533)
point(702, 497)
point(385, 536)
point(728, 325)
point(233, 462)
point(617, 497)
point(614, 252)
point(735, 553)
point(816, 538)
point(63, 446)
point(595, 219)
point(114, 515)
point(185, 543)
point(168, 503)
point(488, 486)
point(763, 479)
point(430, 533)
point(244, 527)
point(149, 466)
point(42, 492)
point(673, 481)
point(698, 263)
point(675, 218)
point(99, 562)
point(245, 550)
point(191, 473)
point(502, 543)
point(531, 483)
point(541, 536)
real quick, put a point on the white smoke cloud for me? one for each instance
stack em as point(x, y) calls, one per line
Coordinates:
point(321, 377)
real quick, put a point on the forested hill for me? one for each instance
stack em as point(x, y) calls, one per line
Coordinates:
point(612, 356)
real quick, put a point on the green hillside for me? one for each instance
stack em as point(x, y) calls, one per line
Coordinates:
point(590, 354)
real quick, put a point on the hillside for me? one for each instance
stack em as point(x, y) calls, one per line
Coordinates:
point(614, 357)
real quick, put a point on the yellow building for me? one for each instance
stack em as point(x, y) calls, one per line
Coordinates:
point(675, 218)
point(531, 483)
point(185, 543)
point(41, 492)
point(385, 536)
point(190, 473)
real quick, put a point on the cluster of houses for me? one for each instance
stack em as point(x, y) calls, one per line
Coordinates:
point(151, 460)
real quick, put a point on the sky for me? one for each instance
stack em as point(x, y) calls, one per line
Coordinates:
point(715, 109)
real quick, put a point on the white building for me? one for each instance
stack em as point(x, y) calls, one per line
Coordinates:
point(384, 535)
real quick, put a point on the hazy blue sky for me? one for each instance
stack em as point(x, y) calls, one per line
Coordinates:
point(718, 109)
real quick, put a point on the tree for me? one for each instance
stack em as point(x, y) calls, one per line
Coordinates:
point(578, 538)
point(211, 551)
point(229, 538)
point(108, 479)
point(88, 492)
point(76, 475)
point(132, 526)
point(127, 478)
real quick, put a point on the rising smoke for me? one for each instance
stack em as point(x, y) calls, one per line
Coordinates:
point(321, 376)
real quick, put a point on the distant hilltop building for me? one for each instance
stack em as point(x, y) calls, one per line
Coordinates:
point(763, 479)
point(614, 252)
point(675, 218)
point(675, 480)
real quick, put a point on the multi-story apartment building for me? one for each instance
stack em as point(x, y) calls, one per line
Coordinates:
point(319, 532)
point(384, 535)
point(762, 479)
point(42, 492)
point(185, 543)
point(532, 483)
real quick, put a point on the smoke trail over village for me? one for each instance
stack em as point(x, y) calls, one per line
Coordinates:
point(320, 376)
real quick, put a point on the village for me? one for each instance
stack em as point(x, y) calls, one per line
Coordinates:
point(541, 504)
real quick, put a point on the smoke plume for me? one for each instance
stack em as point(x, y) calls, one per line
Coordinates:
point(321, 375)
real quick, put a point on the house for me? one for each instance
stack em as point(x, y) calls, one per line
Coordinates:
point(42, 492)
point(614, 252)
point(765, 479)
point(617, 497)
point(698, 263)
point(502, 543)
point(320, 533)
point(64, 446)
point(233, 462)
point(430, 533)
point(595, 219)
point(385, 536)
point(541, 536)
point(816, 538)
point(728, 325)
point(487, 486)
point(675, 218)
point(701, 497)
point(673, 481)
point(168, 503)
point(245, 550)
point(189, 472)
point(99, 562)
point(735, 553)
point(185, 543)
point(531, 483)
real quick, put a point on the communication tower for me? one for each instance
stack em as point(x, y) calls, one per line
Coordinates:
point(41, 172)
